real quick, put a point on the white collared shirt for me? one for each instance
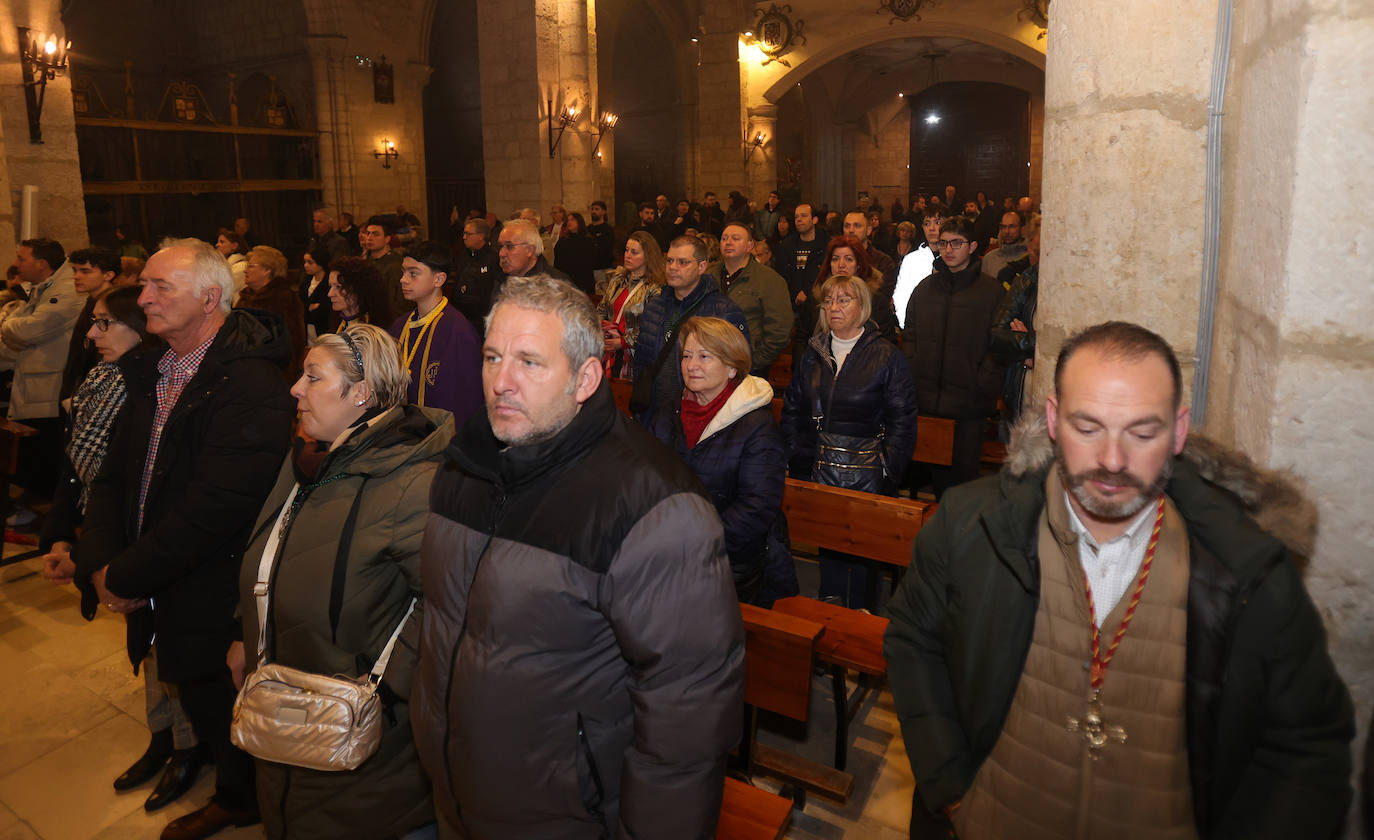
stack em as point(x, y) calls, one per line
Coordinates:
point(1112, 566)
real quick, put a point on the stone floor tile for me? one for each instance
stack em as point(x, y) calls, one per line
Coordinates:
point(44, 708)
point(67, 794)
point(113, 679)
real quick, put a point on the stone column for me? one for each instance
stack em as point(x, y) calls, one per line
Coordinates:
point(763, 163)
point(720, 86)
point(1121, 146)
point(1292, 371)
point(534, 51)
point(1037, 145)
point(332, 119)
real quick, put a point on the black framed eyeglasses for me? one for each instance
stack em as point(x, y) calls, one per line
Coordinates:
point(103, 324)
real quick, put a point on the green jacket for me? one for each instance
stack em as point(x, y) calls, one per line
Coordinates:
point(343, 579)
point(761, 293)
point(1269, 722)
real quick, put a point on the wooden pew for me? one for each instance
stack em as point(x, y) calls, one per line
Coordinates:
point(879, 528)
point(778, 654)
point(621, 390)
point(853, 641)
point(750, 813)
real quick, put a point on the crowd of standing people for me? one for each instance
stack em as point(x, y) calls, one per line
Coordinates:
point(403, 464)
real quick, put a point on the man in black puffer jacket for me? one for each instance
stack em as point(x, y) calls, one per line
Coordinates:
point(949, 319)
point(582, 666)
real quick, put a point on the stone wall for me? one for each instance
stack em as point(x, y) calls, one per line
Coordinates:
point(1294, 371)
point(52, 166)
point(881, 156)
point(352, 123)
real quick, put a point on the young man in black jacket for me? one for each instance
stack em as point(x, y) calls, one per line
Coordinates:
point(945, 337)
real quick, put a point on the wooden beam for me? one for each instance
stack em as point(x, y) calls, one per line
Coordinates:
point(194, 187)
point(154, 125)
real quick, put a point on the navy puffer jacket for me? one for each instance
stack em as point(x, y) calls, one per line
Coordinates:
point(872, 393)
point(740, 460)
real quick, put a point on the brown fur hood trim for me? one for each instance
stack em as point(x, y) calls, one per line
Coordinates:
point(1275, 499)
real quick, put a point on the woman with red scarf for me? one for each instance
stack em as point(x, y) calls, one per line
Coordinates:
point(723, 428)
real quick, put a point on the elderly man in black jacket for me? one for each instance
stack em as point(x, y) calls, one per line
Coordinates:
point(192, 457)
point(1102, 642)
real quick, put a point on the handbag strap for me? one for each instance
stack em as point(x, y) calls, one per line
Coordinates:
point(263, 586)
point(375, 676)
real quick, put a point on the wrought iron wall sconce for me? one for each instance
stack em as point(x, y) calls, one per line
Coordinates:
point(607, 125)
point(566, 117)
point(756, 143)
point(387, 153)
point(43, 59)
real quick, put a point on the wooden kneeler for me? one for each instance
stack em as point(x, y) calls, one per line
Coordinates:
point(779, 650)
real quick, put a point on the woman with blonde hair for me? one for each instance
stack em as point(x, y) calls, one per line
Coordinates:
point(643, 272)
point(849, 415)
point(723, 428)
point(338, 540)
point(268, 287)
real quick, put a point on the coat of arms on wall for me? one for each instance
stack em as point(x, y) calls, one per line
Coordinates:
point(383, 82)
point(778, 34)
point(903, 10)
point(1037, 12)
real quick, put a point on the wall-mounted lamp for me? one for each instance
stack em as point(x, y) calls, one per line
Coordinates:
point(566, 117)
point(43, 58)
point(387, 153)
point(607, 125)
point(756, 143)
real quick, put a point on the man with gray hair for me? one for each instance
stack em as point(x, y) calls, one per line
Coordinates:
point(521, 253)
point(581, 670)
point(324, 235)
point(192, 456)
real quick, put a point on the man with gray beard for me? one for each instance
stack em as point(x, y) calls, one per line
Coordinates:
point(1101, 642)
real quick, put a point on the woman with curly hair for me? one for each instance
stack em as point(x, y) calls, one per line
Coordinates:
point(358, 294)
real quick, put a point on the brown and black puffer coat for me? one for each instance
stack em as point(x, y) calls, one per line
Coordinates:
point(1269, 722)
point(582, 667)
point(343, 579)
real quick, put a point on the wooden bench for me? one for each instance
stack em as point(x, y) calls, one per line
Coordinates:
point(853, 641)
point(778, 654)
point(750, 813)
point(879, 528)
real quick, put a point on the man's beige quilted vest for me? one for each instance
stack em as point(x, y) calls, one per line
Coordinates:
point(1040, 780)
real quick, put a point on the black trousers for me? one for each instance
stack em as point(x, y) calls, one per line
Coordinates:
point(40, 457)
point(209, 704)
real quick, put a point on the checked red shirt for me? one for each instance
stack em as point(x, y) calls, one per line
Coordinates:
point(173, 373)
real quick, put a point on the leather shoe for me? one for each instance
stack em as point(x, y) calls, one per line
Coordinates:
point(207, 821)
point(148, 766)
point(179, 777)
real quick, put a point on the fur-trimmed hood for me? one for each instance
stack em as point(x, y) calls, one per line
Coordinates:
point(1275, 499)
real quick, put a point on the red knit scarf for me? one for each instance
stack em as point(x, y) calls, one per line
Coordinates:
point(696, 417)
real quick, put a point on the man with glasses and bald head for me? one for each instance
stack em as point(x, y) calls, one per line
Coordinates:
point(945, 337)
